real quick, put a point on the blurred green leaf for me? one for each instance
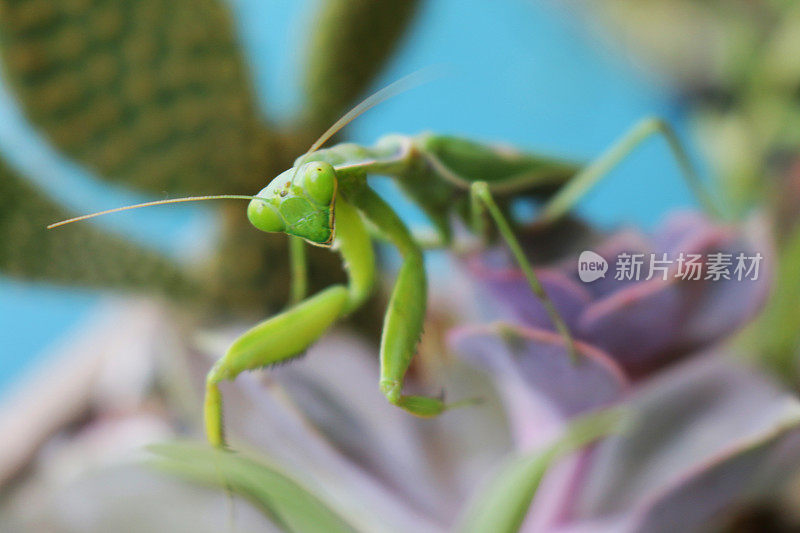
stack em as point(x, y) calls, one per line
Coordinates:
point(351, 41)
point(777, 333)
point(153, 93)
point(78, 254)
point(503, 504)
point(286, 502)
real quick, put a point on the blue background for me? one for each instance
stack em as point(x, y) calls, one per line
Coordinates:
point(519, 71)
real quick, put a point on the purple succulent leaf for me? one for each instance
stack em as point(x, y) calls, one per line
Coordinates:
point(704, 495)
point(684, 422)
point(672, 235)
point(727, 304)
point(608, 524)
point(551, 507)
point(725, 307)
point(626, 241)
point(637, 324)
point(336, 389)
point(653, 322)
point(509, 288)
point(539, 382)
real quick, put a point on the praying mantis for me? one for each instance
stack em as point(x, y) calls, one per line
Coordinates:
point(326, 200)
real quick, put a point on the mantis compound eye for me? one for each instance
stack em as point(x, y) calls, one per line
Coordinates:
point(264, 217)
point(319, 182)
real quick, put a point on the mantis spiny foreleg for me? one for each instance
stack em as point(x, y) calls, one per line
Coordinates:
point(281, 337)
point(405, 314)
point(291, 332)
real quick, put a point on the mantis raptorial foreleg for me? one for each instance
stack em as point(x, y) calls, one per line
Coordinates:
point(405, 314)
point(481, 198)
point(576, 187)
point(277, 339)
point(291, 332)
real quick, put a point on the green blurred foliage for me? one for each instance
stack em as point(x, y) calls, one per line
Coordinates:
point(503, 504)
point(286, 502)
point(340, 63)
point(156, 95)
point(152, 93)
point(735, 64)
point(81, 255)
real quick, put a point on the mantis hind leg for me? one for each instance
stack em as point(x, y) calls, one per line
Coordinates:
point(482, 198)
point(277, 339)
point(584, 180)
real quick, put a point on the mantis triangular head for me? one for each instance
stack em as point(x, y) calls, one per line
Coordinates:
point(300, 202)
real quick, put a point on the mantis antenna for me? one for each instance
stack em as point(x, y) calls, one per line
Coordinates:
point(406, 83)
point(402, 85)
point(150, 204)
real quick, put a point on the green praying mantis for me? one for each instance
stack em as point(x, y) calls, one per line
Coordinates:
point(325, 199)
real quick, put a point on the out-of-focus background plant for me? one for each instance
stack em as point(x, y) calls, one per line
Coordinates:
point(734, 67)
point(162, 98)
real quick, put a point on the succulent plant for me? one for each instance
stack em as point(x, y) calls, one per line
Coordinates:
point(700, 447)
point(607, 312)
point(83, 256)
point(156, 95)
point(703, 436)
point(733, 65)
point(627, 329)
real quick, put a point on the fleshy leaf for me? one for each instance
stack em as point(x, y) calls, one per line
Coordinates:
point(512, 293)
point(623, 324)
point(503, 504)
point(79, 254)
point(382, 473)
point(690, 313)
point(727, 304)
point(679, 430)
point(625, 241)
point(290, 505)
point(680, 228)
point(152, 93)
point(702, 498)
point(351, 41)
point(777, 335)
point(541, 385)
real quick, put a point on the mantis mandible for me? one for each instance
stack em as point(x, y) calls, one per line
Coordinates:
point(325, 199)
